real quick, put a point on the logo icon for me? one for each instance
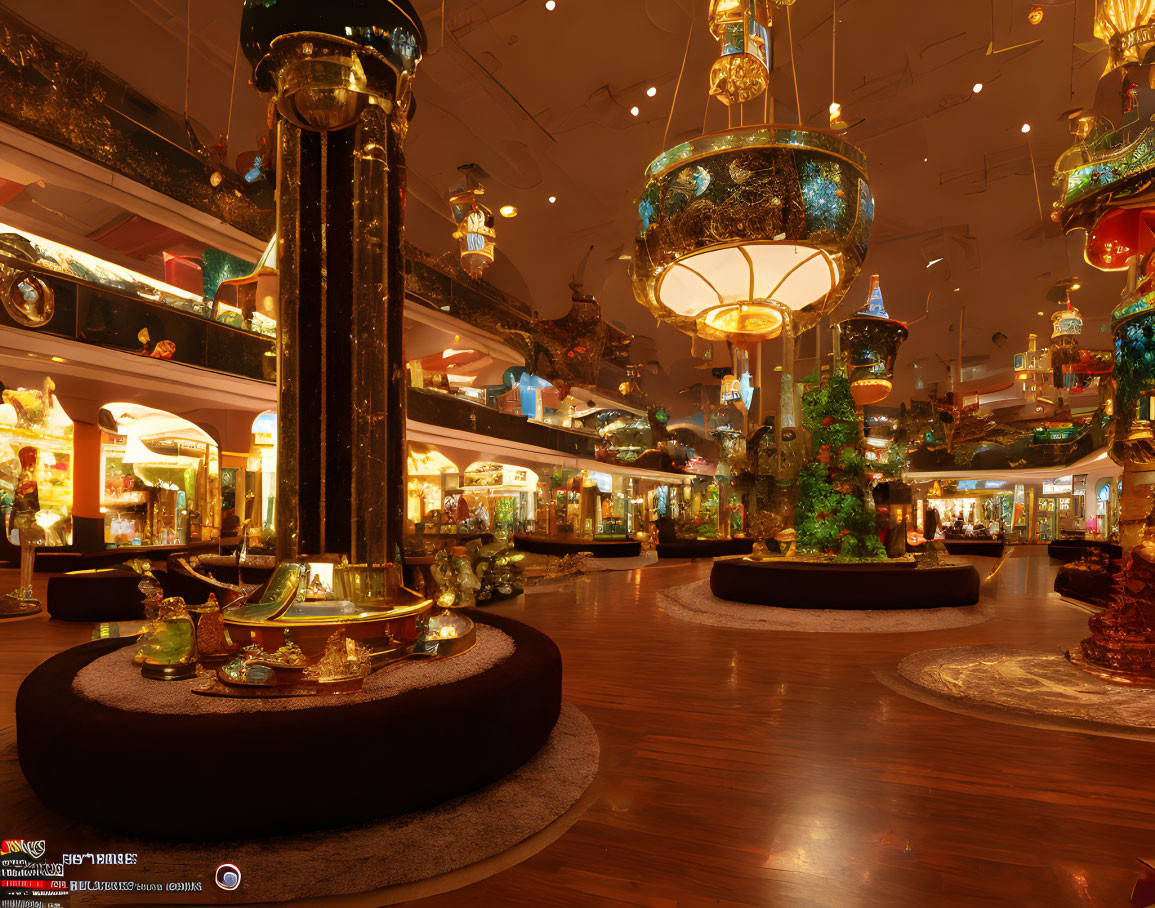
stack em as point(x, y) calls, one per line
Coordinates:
point(34, 849)
point(228, 876)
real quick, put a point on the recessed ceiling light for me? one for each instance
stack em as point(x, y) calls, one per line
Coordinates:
point(651, 91)
point(550, 4)
point(977, 87)
point(1040, 312)
point(1076, 285)
point(1026, 127)
point(957, 289)
point(552, 199)
point(634, 110)
point(508, 211)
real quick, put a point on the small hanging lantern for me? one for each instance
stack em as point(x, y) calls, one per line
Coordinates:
point(742, 73)
point(474, 233)
point(871, 339)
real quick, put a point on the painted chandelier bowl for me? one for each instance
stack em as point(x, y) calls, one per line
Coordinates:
point(871, 345)
point(740, 230)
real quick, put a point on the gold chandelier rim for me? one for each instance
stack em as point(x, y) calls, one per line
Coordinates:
point(764, 135)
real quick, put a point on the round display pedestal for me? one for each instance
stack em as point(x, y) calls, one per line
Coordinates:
point(872, 586)
point(312, 765)
point(571, 545)
point(704, 548)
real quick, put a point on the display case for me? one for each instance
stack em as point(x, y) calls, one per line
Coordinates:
point(160, 478)
point(32, 418)
point(20, 247)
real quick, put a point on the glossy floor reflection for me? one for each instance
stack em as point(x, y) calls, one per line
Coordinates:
point(771, 768)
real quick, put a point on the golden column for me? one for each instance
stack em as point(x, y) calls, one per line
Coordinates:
point(341, 76)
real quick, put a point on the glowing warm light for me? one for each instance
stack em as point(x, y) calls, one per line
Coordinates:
point(1026, 127)
point(1040, 312)
point(1076, 285)
point(550, 5)
point(651, 91)
point(869, 390)
point(745, 320)
point(791, 275)
point(977, 87)
point(552, 199)
point(508, 211)
point(634, 110)
point(1035, 14)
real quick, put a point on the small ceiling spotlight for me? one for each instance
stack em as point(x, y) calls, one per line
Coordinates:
point(1076, 285)
point(977, 87)
point(551, 5)
point(1026, 127)
point(1040, 312)
point(507, 211)
point(634, 110)
point(552, 199)
point(651, 91)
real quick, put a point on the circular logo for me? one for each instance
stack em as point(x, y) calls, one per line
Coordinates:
point(228, 876)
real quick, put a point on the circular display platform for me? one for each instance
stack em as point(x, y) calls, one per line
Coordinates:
point(695, 603)
point(1066, 550)
point(704, 548)
point(571, 545)
point(401, 858)
point(420, 734)
point(1024, 687)
point(869, 586)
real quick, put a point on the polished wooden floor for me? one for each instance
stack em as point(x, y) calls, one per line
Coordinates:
point(773, 769)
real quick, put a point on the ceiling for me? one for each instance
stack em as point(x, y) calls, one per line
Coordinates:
point(540, 100)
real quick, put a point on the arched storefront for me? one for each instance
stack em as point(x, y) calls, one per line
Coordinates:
point(260, 479)
point(1106, 508)
point(160, 478)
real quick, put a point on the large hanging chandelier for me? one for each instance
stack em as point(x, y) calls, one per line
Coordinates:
point(745, 230)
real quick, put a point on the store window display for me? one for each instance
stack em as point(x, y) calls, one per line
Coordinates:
point(35, 482)
point(161, 478)
point(494, 497)
point(36, 447)
point(261, 478)
point(589, 504)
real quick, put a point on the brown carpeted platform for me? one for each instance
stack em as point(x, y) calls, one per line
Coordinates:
point(874, 586)
point(308, 765)
point(451, 845)
point(696, 603)
point(112, 680)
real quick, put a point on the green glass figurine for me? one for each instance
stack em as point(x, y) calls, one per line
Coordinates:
point(168, 644)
